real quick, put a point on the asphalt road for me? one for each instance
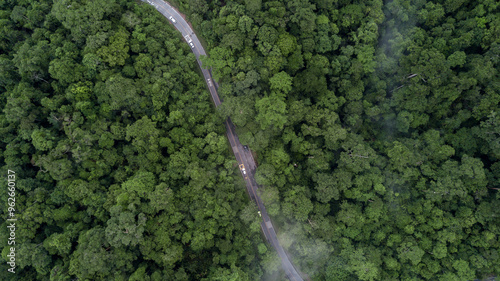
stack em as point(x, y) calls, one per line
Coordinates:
point(267, 226)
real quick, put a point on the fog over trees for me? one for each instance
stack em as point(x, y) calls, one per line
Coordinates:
point(375, 125)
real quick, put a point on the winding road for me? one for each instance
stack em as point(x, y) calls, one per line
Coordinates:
point(238, 150)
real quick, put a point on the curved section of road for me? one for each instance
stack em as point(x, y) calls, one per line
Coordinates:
point(241, 154)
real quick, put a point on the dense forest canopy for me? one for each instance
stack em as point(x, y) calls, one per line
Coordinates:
point(123, 170)
point(376, 126)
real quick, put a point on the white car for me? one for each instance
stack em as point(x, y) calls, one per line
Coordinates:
point(191, 44)
point(172, 19)
point(209, 82)
point(259, 214)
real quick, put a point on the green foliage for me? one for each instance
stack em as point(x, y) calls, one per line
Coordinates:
point(375, 126)
point(122, 167)
point(125, 227)
point(383, 111)
point(281, 82)
point(271, 112)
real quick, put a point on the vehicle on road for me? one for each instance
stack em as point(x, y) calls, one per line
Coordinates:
point(243, 171)
point(172, 19)
point(242, 168)
point(250, 182)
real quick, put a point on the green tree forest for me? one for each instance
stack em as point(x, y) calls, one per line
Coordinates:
point(375, 125)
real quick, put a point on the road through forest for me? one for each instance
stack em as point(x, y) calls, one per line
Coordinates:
point(239, 152)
